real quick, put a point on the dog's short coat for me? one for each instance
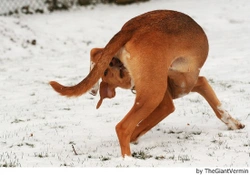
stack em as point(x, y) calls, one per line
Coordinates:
point(162, 52)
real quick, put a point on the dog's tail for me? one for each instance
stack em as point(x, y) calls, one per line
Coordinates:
point(118, 41)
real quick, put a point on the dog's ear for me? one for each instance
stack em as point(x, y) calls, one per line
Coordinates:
point(95, 54)
point(106, 91)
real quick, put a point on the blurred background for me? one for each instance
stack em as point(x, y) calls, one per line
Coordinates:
point(11, 7)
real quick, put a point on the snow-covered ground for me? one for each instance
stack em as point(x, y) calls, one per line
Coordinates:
point(38, 127)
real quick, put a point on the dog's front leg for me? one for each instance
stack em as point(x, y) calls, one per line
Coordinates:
point(165, 108)
point(140, 110)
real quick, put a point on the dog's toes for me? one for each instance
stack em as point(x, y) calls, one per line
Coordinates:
point(234, 124)
point(240, 126)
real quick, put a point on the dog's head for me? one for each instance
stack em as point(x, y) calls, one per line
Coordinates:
point(116, 75)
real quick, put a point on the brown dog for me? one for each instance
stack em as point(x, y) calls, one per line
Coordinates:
point(163, 52)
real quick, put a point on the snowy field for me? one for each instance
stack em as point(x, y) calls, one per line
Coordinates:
point(39, 127)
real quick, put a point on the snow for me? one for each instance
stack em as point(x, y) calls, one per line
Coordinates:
point(39, 127)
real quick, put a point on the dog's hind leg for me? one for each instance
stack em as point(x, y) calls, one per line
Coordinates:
point(165, 108)
point(202, 87)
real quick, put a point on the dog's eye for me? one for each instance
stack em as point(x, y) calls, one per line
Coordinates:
point(118, 61)
point(106, 72)
point(111, 64)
